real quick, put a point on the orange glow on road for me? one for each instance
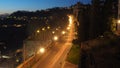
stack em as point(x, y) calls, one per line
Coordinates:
point(70, 19)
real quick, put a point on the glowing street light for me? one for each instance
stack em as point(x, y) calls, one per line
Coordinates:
point(38, 31)
point(17, 60)
point(53, 32)
point(55, 38)
point(43, 29)
point(56, 29)
point(118, 25)
point(70, 22)
point(48, 27)
point(70, 19)
point(63, 32)
point(118, 21)
point(42, 50)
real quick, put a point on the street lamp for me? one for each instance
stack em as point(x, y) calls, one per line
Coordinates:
point(43, 29)
point(38, 31)
point(63, 32)
point(56, 29)
point(48, 27)
point(118, 22)
point(118, 25)
point(55, 38)
point(53, 32)
point(42, 50)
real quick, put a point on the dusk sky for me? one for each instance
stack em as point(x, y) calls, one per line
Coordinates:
point(9, 6)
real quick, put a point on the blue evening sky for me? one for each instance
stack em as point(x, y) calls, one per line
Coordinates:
point(9, 6)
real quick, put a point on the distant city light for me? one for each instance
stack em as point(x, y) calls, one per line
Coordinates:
point(48, 27)
point(56, 28)
point(18, 25)
point(17, 60)
point(53, 32)
point(43, 29)
point(7, 57)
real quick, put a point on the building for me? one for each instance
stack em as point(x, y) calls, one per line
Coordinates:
point(77, 8)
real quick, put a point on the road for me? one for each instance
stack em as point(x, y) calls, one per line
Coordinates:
point(54, 58)
point(56, 55)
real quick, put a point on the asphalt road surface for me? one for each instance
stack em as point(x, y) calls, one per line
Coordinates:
point(56, 55)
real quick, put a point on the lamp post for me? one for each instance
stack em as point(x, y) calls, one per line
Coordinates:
point(42, 50)
point(55, 38)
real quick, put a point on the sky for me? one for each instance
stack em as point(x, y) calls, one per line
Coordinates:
point(9, 6)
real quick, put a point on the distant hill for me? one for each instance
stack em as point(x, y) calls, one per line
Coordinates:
point(41, 13)
point(4, 15)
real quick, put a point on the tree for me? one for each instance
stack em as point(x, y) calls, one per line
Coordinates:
point(101, 17)
point(108, 13)
point(96, 24)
